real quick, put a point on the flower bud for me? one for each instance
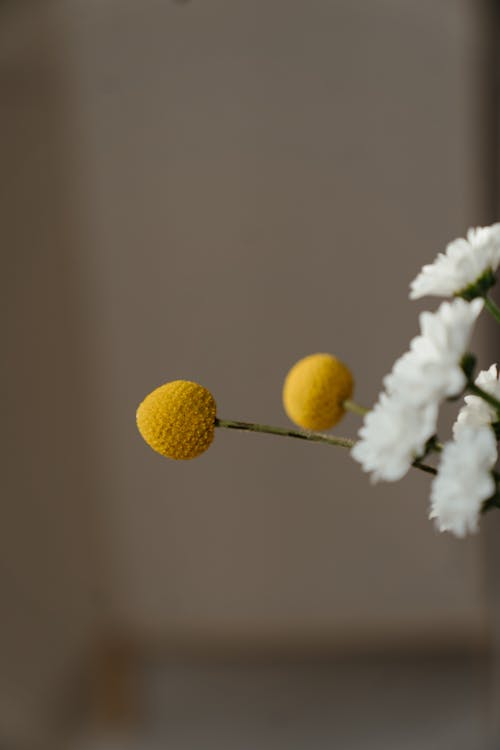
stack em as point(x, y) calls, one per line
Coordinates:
point(178, 419)
point(315, 390)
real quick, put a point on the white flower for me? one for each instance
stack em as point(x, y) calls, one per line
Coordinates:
point(393, 434)
point(463, 263)
point(431, 369)
point(477, 412)
point(464, 480)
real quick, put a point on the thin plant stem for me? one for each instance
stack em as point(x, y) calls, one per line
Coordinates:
point(491, 503)
point(355, 408)
point(313, 437)
point(491, 400)
point(433, 446)
point(492, 308)
point(424, 467)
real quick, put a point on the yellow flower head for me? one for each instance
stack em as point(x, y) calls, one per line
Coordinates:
point(178, 419)
point(315, 390)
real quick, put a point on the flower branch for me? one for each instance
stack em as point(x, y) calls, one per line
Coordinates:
point(313, 437)
point(179, 418)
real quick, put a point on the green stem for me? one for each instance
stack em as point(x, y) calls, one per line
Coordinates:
point(355, 408)
point(491, 503)
point(492, 308)
point(433, 446)
point(313, 437)
point(424, 467)
point(491, 400)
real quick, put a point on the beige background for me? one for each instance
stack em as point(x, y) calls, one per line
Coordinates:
point(263, 180)
point(211, 190)
point(48, 552)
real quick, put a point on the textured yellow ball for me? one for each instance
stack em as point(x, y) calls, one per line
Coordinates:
point(178, 419)
point(315, 389)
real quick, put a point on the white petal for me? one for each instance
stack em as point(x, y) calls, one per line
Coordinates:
point(477, 412)
point(462, 264)
point(431, 369)
point(394, 433)
point(464, 480)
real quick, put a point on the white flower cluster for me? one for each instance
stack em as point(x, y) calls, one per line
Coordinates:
point(464, 480)
point(462, 265)
point(477, 412)
point(397, 430)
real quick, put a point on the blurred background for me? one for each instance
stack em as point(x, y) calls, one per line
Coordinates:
point(210, 190)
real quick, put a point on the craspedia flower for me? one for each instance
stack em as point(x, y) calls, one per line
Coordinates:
point(178, 419)
point(315, 390)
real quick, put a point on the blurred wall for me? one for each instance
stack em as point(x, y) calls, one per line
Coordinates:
point(210, 190)
point(262, 180)
point(48, 546)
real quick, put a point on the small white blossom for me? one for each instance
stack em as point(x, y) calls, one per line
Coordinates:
point(431, 369)
point(462, 264)
point(393, 434)
point(477, 412)
point(464, 480)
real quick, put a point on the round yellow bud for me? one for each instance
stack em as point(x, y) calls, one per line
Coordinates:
point(178, 419)
point(315, 390)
